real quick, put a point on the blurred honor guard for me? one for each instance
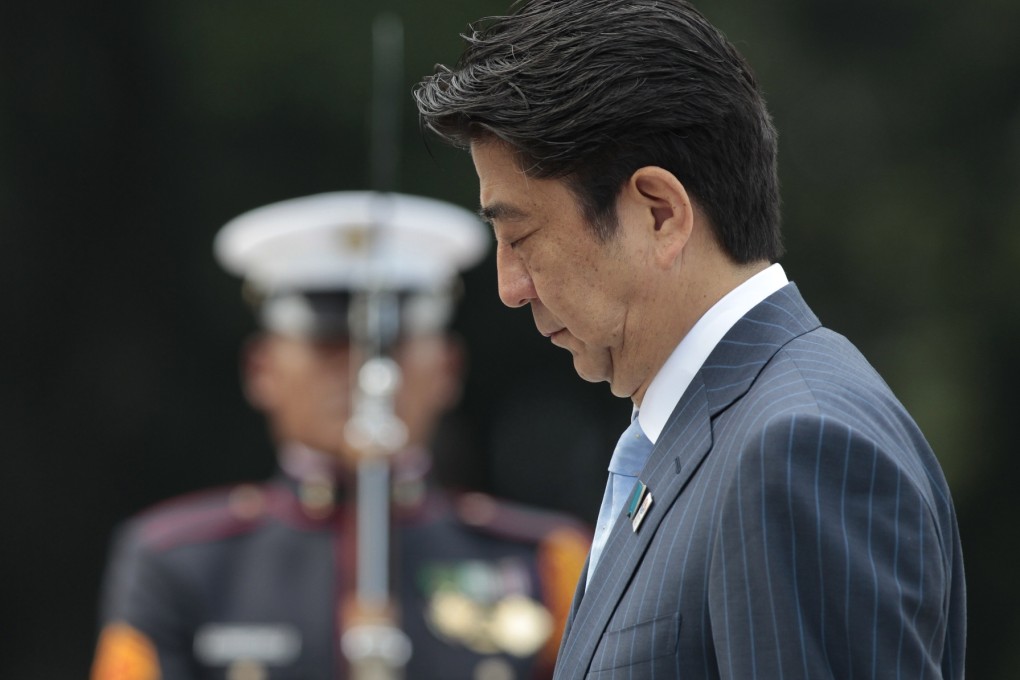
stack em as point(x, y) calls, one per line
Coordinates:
point(255, 581)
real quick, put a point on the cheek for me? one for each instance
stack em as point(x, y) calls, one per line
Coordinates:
point(419, 373)
point(575, 284)
point(555, 277)
point(322, 387)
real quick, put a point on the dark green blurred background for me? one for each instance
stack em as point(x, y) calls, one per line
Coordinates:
point(130, 131)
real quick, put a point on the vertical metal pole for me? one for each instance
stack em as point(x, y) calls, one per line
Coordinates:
point(372, 641)
point(373, 581)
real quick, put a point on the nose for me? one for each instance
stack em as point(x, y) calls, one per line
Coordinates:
point(516, 288)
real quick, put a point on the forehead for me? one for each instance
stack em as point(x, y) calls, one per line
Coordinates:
point(497, 165)
point(507, 193)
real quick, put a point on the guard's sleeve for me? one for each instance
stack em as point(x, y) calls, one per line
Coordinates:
point(124, 653)
point(830, 562)
point(561, 557)
point(142, 636)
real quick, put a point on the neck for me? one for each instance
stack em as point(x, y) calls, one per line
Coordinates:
point(688, 299)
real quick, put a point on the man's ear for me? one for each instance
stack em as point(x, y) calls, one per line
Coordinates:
point(257, 380)
point(666, 208)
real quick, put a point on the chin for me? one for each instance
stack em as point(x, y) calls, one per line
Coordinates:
point(589, 373)
point(621, 392)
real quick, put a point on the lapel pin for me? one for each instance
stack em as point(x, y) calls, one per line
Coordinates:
point(640, 489)
point(637, 507)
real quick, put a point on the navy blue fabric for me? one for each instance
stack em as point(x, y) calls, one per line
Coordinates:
point(801, 527)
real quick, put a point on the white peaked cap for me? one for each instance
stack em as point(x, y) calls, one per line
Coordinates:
point(352, 240)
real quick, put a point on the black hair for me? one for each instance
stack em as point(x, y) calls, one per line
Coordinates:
point(588, 91)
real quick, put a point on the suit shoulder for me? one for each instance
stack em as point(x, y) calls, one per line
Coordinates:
point(202, 516)
point(516, 521)
point(823, 352)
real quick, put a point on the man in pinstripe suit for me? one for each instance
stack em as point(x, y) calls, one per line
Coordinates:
point(785, 518)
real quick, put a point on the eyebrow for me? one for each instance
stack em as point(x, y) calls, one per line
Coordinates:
point(500, 211)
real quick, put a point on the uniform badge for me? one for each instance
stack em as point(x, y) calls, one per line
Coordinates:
point(355, 238)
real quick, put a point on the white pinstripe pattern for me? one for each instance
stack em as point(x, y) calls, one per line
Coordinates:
point(801, 528)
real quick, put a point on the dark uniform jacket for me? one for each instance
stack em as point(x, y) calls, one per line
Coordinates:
point(250, 582)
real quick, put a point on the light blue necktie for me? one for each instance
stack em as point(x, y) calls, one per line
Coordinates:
point(628, 459)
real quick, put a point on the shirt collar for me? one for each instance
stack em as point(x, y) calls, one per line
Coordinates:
point(672, 380)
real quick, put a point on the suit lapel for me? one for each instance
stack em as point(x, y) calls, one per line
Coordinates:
point(686, 440)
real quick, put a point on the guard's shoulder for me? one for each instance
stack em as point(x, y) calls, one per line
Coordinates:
point(515, 521)
point(202, 516)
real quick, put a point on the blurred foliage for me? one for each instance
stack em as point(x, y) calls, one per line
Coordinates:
point(130, 132)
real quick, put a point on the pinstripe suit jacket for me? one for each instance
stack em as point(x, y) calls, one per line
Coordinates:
point(800, 527)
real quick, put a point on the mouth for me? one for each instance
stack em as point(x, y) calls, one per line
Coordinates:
point(560, 338)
